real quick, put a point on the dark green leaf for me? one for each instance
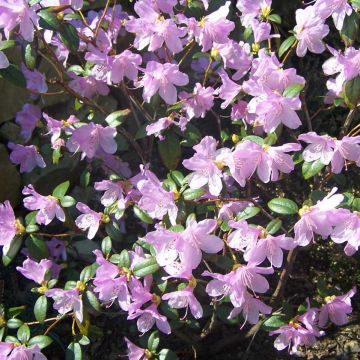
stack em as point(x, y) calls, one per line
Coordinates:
point(73, 352)
point(117, 117)
point(273, 323)
point(48, 20)
point(286, 45)
point(153, 341)
point(32, 228)
point(146, 267)
point(124, 259)
point(37, 247)
point(6, 44)
point(256, 139)
point(293, 90)
point(349, 31)
point(283, 206)
point(40, 308)
point(274, 226)
point(113, 230)
point(142, 215)
point(166, 354)
point(248, 213)
point(23, 333)
point(192, 194)
point(10, 253)
point(170, 150)
point(41, 341)
point(61, 190)
point(275, 18)
point(178, 177)
point(13, 75)
point(14, 323)
point(69, 37)
point(106, 245)
point(310, 169)
point(67, 201)
point(91, 301)
point(352, 92)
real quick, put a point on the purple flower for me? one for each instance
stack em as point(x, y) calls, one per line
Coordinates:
point(35, 271)
point(90, 219)
point(87, 86)
point(66, 301)
point(18, 12)
point(13, 351)
point(206, 164)
point(348, 148)
point(228, 90)
point(320, 148)
point(228, 210)
point(155, 199)
point(338, 9)
point(348, 231)
point(252, 9)
point(48, 207)
point(125, 64)
point(28, 118)
point(184, 299)
point(159, 125)
point(244, 237)
point(215, 28)
point(199, 102)
point(8, 226)
point(27, 157)
point(309, 31)
point(89, 138)
point(319, 219)
point(113, 192)
point(134, 352)
point(336, 309)
point(270, 247)
point(4, 62)
point(196, 238)
point(111, 282)
point(162, 78)
point(35, 80)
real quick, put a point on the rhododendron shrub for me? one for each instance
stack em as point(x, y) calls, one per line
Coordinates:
point(190, 169)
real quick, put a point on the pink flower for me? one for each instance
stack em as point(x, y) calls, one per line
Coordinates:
point(184, 299)
point(162, 78)
point(159, 125)
point(135, 352)
point(8, 227)
point(13, 351)
point(206, 164)
point(113, 192)
point(215, 28)
point(90, 138)
point(90, 219)
point(48, 207)
point(230, 209)
point(35, 271)
point(320, 148)
point(4, 62)
point(197, 238)
point(125, 64)
point(87, 86)
point(27, 157)
point(319, 219)
point(309, 31)
point(155, 199)
point(18, 12)
point(348, 148)
point(338, 9)
point(270, 247)
point(66, 301)
point(228, 90)
point(348, 231)
point(35, 80)
point(252, 9)
point(28, 118)
point(244, 237)
point(336, 309)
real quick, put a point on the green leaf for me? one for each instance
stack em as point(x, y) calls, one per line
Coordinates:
point(166, 354)
point(247, 33)
point(23, 333)
point(40, 308)
point(349, 31)
point(256, 139)
point(199, 55)
point(37, 247)
point(275, 18)
point(84, 340)
point(352, 92)
point(248, 213)
point(6, 44)
point(56, 156)
point(32, 228)
point(10, 253)
point(170, 150)
point(310, 169)
point(146, 267)
point(192, 194)
point(67, 201)
point(76, 69)
point(293, 90)
point(69, 37)
point(274, 226)
point(153, 341)
point(142, 215)
point(61, 190)
point(13, 75)
point(42, 341)
point(113, 230)
point(178, 177)
point(273, 323)
point(106, 245)
point(283, 206)
point(73, 352)
point(355, 3)
point(124, 259)
point(14, 323)
point(48, 20)
point(286, 45)
point(356, 204)
point(117, 117)
point(88, 272)
point(91, 301)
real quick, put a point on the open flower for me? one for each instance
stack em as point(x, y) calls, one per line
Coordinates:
point(90, 219)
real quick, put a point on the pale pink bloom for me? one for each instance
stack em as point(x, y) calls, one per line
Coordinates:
point(162, 78)
point(13, 351)
point(158, 126)
point(35, 271)
point(228, 90)
point(48, 207)
point(252, 9)
point(348, 148)
point(4, 62)
point(196, 238)
point(28, 118)
point(28, 157)
point(230, 209)
point(134, 352)
point(87, 86)
point(90, 219)
point(8, 226)
point(123, 65)
point(348, 231)
point(215, 28)
point(35, 80)
point(90, 137)
point(319, 219)
point(338, 9)
point(309, 31)
point(66, 301)
point(336, 309)
point(114, 192)
point(244, 237)
point(321, 147)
